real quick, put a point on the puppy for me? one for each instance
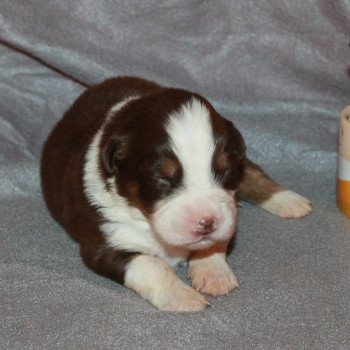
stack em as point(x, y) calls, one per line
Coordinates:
point(143, 177)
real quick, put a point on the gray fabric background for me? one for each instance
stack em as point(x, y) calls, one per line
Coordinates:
point(278, 69)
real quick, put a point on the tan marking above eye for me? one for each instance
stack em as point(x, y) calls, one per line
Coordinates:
point(221, 160)
point(169, 167)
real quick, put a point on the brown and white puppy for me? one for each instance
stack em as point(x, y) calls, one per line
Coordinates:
point(144, 176)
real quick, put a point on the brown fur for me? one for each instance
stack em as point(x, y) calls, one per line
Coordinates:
point(256, 187)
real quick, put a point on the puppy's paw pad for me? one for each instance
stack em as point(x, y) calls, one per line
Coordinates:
point(288, 204)
point(212, 278)
point(181, 298)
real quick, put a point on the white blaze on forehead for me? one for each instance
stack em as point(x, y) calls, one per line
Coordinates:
point(191, 137)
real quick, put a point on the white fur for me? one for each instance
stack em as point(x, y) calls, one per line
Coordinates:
point(191, 139)
point(172, 219)
point(156, 281)
point(287, 204)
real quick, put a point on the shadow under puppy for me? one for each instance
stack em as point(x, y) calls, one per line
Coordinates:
point(144, 176)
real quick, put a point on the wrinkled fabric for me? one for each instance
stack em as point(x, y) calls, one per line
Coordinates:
point(278, 69)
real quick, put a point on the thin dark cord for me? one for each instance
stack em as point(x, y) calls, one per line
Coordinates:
point(41, 61)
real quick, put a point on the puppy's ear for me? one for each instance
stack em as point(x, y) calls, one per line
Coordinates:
point(113, 153)
point(236, 141)
point(238, 144)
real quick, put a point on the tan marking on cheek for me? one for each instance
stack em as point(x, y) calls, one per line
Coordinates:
point(132, 189)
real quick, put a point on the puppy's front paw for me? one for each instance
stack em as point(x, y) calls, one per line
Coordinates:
point(157, 282)
point(287, 204)
point(181, 298)
point(212, 277)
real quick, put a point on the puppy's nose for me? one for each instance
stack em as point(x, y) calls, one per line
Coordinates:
point(206, 225)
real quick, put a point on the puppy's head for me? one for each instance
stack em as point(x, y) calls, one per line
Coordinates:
point(172, 156)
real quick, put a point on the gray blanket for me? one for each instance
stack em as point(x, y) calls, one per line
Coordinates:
point(278, 69)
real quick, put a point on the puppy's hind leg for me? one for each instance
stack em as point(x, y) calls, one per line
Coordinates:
point(258, 188)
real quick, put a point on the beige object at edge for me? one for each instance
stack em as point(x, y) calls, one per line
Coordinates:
point(344, 162)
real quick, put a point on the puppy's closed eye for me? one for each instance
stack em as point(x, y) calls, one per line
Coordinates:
point(163, 184)
point(226, 167)
point(169, 173)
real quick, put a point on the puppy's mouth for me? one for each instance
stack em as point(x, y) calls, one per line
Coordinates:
point(205, 241)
